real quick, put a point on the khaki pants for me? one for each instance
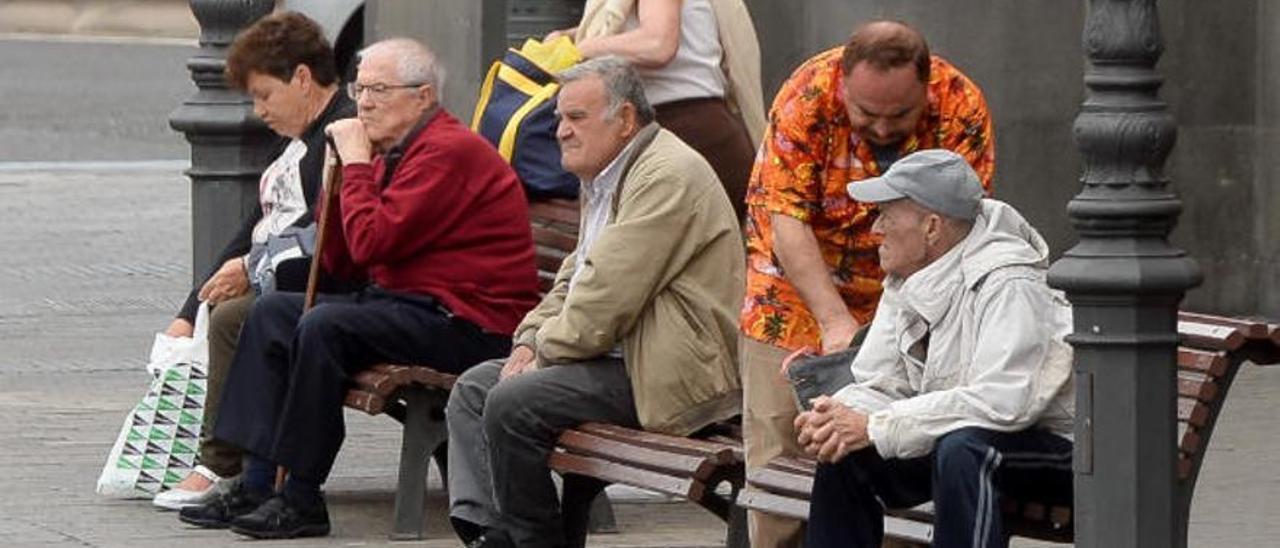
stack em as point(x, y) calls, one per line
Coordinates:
point(769, 410)
point(768, 415)
point(225, 321)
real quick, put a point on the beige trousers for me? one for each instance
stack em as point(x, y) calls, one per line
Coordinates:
point(768, 412)
point(225, 320)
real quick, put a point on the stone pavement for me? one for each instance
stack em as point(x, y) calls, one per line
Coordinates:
point(95, 261)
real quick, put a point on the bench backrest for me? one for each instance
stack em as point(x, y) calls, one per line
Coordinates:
point(1211, 350)
point(555, 234)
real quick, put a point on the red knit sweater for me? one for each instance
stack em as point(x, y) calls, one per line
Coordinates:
point(452, 223)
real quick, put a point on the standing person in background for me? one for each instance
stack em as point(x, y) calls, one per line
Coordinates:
point(284, 62)
point(700, 64)
point(813, 276)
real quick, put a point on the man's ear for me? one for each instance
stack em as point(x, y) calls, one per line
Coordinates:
point(933, 228)
point(630, 120)
point(429, 93)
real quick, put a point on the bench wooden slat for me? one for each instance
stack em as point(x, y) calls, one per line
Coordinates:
point(577, 442)
point(773, 504)
point(384, 379)
point(427, 376)
point(1185, 464)
point(923, 512)
point(1197, 386)
point(1206, 335)
point(613, 472)
point(554, 239)
point(1192, 412)
point(718, 453)
point(546, 281)
point(1192, 441)
point(549, 260)
point(780, 482)
point(1208, 362)
point(739, 455)
point(374, 380)
point(564, 211)
point(794, 465)
point(913, 531)
point(1250, 329)
point(368, 402)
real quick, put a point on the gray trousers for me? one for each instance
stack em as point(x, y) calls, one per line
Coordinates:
point(501, 433)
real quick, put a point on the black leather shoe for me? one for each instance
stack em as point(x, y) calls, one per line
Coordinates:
point(281, 518)
point(218, 513)
point(492, 538)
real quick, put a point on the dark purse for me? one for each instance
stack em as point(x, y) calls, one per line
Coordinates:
point(812, 376)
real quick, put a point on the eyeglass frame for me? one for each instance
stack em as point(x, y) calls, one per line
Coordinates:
point(377, 91)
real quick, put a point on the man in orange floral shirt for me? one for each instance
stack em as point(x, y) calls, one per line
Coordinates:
point(813, 275)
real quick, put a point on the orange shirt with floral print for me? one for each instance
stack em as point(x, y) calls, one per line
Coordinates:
point(809, 154)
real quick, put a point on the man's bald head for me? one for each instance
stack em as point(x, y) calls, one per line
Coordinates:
point(887, 45)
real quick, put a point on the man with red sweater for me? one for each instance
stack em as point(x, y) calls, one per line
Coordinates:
point(437, 224)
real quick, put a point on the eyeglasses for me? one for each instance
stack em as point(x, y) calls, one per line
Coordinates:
point(377, 92)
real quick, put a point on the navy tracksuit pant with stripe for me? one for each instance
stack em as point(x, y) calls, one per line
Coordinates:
point(965, 476)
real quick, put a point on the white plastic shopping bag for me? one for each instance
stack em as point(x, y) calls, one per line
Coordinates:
point(157, 445)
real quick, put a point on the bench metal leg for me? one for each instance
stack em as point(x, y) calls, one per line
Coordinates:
point(441, 456)
point(580, 494)
point(424, 432)
point(600, 520)
point(736, 535)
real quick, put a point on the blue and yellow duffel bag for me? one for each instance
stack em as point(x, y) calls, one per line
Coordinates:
point(516, 112)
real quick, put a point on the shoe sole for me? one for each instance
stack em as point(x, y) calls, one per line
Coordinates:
point(204, 524)
point(170, 500)
point(175, 505)
point(300, 532)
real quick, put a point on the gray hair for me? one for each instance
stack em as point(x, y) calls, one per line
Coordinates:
point(621, 83)
point(415, 62)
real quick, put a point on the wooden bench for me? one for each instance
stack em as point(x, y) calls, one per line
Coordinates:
point(699, 469)
point(416, 395)
point(1211, 352)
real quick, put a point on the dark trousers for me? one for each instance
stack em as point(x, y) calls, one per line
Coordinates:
point(284, 394)
point(966, 475)
point(501, 433)
point(720, 136)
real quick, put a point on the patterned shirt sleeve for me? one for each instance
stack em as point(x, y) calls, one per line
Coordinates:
point(789, 170)
point(974, 136)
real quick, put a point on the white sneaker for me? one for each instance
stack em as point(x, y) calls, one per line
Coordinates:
point(177, 499)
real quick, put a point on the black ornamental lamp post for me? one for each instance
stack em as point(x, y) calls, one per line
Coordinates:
point(229, 145)
point(1125, 282)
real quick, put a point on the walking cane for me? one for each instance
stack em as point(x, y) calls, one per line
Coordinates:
point(331, 183)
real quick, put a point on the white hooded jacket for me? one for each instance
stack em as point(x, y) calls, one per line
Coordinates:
point(973, 339)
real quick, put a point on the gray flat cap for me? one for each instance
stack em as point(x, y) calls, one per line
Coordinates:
point(938, 179)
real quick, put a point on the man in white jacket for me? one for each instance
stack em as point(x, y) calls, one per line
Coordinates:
point(962, 390)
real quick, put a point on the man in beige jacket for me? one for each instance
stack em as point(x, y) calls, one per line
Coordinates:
point(639, 329)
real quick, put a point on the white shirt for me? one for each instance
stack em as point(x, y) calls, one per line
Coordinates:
point(694, 72)
point(597, 205)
